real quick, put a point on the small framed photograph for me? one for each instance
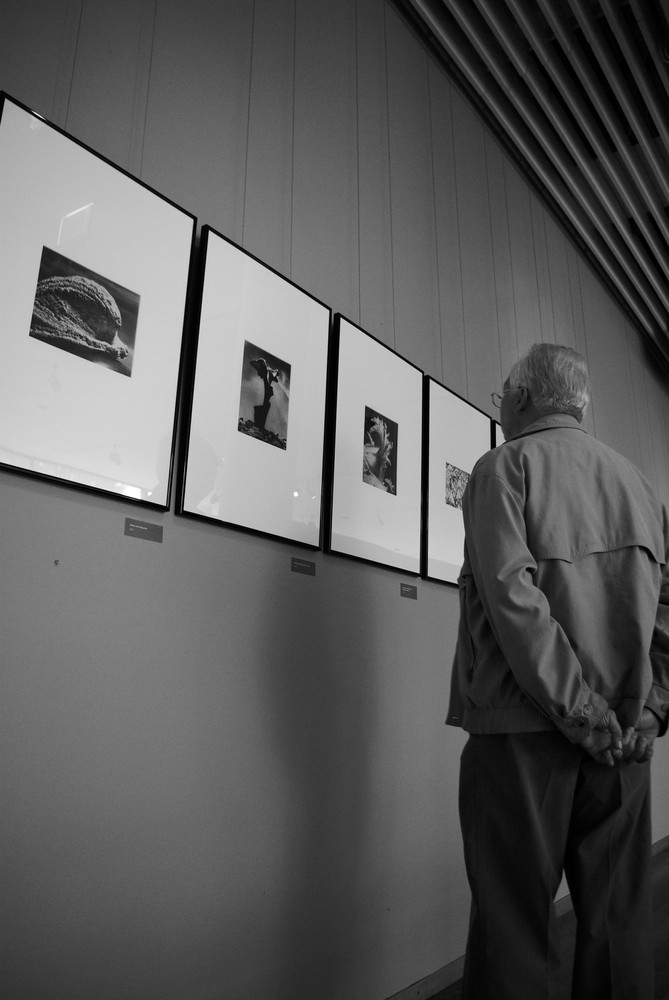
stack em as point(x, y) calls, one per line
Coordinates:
point(375, 512)
point(255, 441)
point(94, 275)
point(456, 435)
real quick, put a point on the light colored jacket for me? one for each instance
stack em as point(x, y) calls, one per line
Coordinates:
point(564, 590)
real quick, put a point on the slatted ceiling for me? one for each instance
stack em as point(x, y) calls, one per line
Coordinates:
point(578, 90)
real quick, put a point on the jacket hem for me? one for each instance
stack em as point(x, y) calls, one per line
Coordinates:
point(491, 721)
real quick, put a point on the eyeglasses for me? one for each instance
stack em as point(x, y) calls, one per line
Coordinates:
point(497, 397)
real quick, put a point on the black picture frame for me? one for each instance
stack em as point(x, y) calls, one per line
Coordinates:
point(375, 451)
point(94, 278)
point(457, 434)
point(254, 448)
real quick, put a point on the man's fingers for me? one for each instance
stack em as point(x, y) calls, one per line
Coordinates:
point(628, 735)
point(610, 722)
point(645, 748)
point(609, 744)
point(641, 750)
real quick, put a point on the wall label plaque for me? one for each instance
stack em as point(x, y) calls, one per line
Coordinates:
point(305, 566)
point(143, 529)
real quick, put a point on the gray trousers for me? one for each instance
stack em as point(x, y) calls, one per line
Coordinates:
point(533, 806)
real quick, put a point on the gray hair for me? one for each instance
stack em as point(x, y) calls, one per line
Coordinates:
point(556, 378)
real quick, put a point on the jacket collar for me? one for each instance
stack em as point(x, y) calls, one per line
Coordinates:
point(548, 422)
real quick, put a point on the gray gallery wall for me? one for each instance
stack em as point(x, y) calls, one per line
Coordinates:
point(221, 779)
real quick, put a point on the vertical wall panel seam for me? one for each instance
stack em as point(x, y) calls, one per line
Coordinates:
point(436, 229)
point(661, 441)
point(648, 396)
point(664, 405)
point(550, 281)
point(139, 120)
point(390, 173)
point(74, 64)
point(511, 267)
point(578, 291)
point(433, 226)
point(585, 340)
point(459, 230)
point(536, 263)
point(357, 156)
point(388, 206)
point(434, 215)
point(248, 123)
point(635, 401)
point(292, 145)
point(492, 248)
point(544, 237)
point(572, 308)
point(60, 115)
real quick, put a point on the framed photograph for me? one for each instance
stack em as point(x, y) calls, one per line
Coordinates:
point(255, 441)
point(94, 272)
point(456, 435)
point(375, 511)
point(497, 436)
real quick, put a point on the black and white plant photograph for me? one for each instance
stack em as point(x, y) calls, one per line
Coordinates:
point(264, 396)
point(84, 313)
point(379, 462)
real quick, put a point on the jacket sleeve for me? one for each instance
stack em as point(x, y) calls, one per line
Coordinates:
point(534, 645)
point(658, 699)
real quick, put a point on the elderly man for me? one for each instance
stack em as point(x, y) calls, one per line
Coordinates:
point(561, 679)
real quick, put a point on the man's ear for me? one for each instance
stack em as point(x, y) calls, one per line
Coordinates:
point(522, 400)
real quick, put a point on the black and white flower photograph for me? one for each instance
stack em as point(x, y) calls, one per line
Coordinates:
point(454, 485)
point(379, 462)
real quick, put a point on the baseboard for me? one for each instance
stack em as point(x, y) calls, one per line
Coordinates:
point(440, 980)
point(660, 846)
